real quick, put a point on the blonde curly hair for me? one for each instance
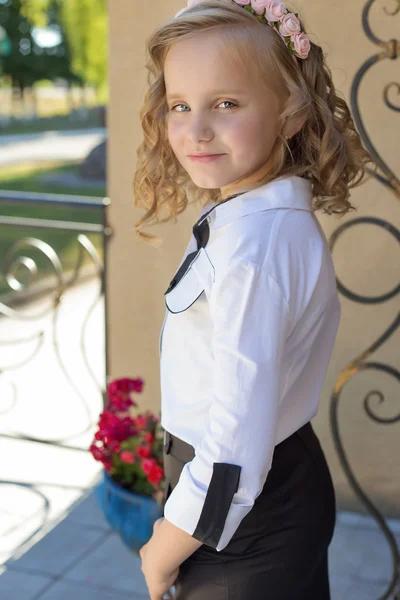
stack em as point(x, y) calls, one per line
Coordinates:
point(327, 150)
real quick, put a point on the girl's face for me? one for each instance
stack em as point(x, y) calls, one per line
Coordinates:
point(219, 108)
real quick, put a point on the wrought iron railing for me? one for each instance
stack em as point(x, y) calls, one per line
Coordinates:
point(16, 287)
point(383, 174)
point(23, 281)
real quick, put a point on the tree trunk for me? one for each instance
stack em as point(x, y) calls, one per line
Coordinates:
point(15, 98)
point(70, 97)
point(22, 99)
point(35, 109)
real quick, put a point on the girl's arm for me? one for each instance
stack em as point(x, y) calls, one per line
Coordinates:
point(251, 320)
point(218, 488)
point(169, 546)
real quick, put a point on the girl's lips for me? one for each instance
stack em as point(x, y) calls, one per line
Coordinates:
point(207, 158)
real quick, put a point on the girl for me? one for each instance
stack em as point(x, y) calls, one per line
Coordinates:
point(241, 114)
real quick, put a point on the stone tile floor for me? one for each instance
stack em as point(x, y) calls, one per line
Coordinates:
point(81, 557)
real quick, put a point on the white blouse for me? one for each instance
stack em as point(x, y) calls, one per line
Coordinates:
point(246, 341)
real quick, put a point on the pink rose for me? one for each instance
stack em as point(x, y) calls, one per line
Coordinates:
point(258, 6)
point(274, 10)
point(243, 2)
point(289, 25)
point(301, 44)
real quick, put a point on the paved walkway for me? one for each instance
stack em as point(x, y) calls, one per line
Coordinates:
point(49, 145)
point(82, 558)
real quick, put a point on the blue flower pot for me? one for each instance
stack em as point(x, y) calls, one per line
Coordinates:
point(131, 515)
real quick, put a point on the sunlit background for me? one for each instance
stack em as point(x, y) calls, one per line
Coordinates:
point(53, 145)
point(53, 77)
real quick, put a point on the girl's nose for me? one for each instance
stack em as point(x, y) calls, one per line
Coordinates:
point(199, 129)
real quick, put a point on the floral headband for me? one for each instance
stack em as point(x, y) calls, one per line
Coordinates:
point(277, 16)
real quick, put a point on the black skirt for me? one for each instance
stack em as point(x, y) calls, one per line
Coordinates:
point(280, 549)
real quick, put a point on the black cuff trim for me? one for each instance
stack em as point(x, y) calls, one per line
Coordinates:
point(223, 485)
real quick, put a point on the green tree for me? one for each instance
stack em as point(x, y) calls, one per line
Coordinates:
point(19, 63)
point(28, 63)
point(35, 11)
point(81, 56)
point(85, 25)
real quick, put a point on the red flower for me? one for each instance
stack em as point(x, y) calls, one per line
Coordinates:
point(119, 391)
point(148, 464)
point(149, 437)
point(144, 452)
point(125, 385)
point(115, 426)
point(112, 388)
point(107, 417)
point(114, 446)
point(97, 453)
point(121, 402)
point(107, 421)
point(141, 422)
point(127, 457)
point(107, 465)
point(99, 435)
point(112, 427)
point(156, 474)
point(136, 385)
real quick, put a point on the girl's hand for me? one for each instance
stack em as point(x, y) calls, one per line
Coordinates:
point(157, 523)
point(158, 583)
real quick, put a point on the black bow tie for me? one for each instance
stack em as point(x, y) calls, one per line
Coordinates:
point(201, 232)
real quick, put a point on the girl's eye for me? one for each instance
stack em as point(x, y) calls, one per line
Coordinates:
point(223, 102)
point(227, 102)
point(173, 108)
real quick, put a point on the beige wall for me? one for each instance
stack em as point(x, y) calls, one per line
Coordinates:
point(364, 258)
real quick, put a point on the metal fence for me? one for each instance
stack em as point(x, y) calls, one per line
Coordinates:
point(41, 262)
point(389, 51)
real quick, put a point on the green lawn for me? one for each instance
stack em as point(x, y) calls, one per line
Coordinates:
point(26, 178)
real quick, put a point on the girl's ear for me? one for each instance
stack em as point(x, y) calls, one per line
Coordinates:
point(294, 124)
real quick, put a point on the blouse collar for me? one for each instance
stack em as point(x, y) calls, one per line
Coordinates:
point(286, 192)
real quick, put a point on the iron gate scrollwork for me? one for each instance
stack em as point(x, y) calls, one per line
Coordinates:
point(384, 175)
point(51, 286)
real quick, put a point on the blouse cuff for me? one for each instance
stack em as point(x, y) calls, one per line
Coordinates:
point(210, 516)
